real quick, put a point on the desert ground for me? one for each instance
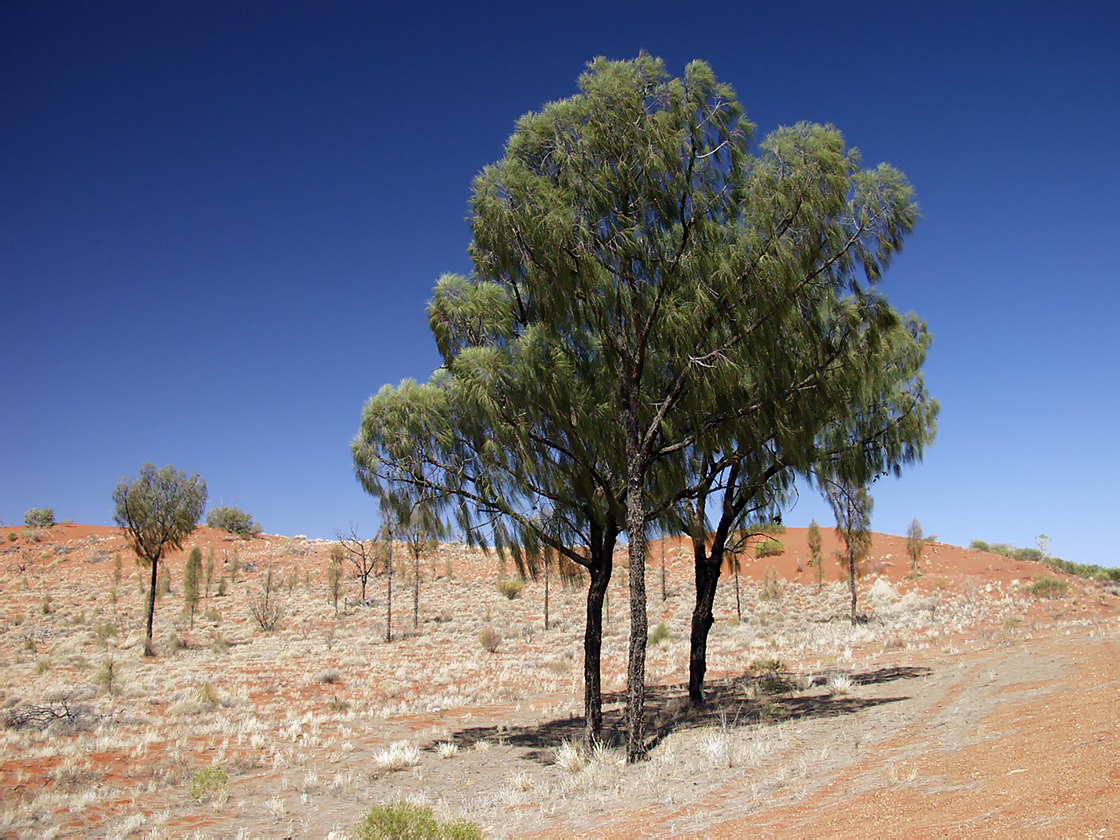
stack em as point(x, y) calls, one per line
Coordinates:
point(964, 705)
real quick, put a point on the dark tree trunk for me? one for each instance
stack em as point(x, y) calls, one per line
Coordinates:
point(707, 578)
point(592, 654)
point(416, 590)
point(852, 585)
point(148, 649)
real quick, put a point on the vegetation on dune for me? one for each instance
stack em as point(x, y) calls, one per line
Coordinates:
point(232, 520)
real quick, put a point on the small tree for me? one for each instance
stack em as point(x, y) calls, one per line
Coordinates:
point(39, 518)
point(334, 575)
point(852, 506)
point(363, 555)
point(421, 536)
point(915, 544)
point(191, 577)
point(232, 520)
point(816, 560)
point(157, 511)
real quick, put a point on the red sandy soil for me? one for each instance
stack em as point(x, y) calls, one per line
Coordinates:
point(977, 709)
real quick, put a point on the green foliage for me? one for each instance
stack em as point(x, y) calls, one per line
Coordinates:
point(769, 548)
point(979, 545)
point(158, 510)
point(405, 821)
point(660, 634)
point(233, 520)
point(1045, 586)
point(766, 665)
point(39, 518)
point(191, 579)
point(511, 587)
point(915, 544)
point(209, 782)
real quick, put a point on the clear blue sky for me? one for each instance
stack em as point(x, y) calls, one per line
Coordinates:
point(220, 224)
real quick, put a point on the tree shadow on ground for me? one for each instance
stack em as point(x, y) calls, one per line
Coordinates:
point(732, 703)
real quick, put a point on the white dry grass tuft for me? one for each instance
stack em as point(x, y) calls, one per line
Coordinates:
point(400, 755)
point(839, 684)
point(571, 758)
point(447, 749)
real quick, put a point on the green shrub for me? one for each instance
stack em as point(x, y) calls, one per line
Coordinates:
point(660, 634)
point(772, 586)
point(212, 780)
point(769, 548)
point(39, 518)
point(404, 821)
point(232, 520)
point(1045, 586)
point(979, 545)
point(510, 587)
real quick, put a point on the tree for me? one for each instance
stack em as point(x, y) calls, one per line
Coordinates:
point(39, 518)
point(643, 290)
point(852, 507)
point(915, 544)
point(334, 575)
point(816, 560)
point(364, 555)
point(191, 577)
point(420, 535)
point(233, 520)
point(157, 511)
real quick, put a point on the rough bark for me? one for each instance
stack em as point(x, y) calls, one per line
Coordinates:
point(707, 578)
point(148, 649)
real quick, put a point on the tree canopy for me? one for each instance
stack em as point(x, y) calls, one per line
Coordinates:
point(656, 315)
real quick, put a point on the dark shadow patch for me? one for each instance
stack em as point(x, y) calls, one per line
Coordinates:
point(732, 703)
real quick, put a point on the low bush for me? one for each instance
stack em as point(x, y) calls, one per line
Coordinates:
point(39, 518)
point(489, 638)
point(212, 782)
point(1045, 586)
point(660, 634)
point(510, 587)
point(232, 520)
point(405, 821)
point(769, 548)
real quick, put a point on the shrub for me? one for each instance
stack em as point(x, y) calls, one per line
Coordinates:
point(212, 781)
point(406, 821)
point(511, 587)
point(265, 609)
point(1047, 587)
point(489, 638)
point(39, 518)
point(979, 545)
point(769, 548)
point(660, 634)
point(329, 676)
point(232, 520)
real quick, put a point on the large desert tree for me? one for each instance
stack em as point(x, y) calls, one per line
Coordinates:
point(645, 293)
point(157, 510)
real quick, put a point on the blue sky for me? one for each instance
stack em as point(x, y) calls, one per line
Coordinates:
point(220, 224)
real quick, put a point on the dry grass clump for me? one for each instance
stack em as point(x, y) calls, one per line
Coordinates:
point(490, 638)
point(510, 587)
point(398, 756)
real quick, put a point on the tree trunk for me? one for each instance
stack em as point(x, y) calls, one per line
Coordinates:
point(639, 622)
point(852, 585)
point(416, 590)
point(546, 594)
point(593, 650)
point(707, 577)
point(148, 649)
point(389, 595)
